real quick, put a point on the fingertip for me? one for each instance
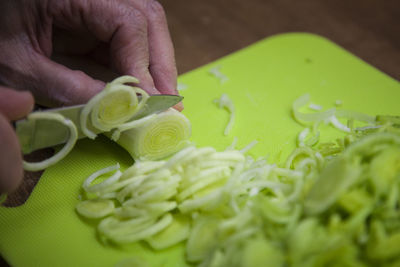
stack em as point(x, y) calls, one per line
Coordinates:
point(145, 82)
point(15, 104)
point(27, 100)
point(179, 106)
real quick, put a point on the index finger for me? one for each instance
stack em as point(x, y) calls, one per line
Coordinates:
point(120, 24)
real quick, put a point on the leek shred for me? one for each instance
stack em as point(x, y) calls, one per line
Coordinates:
point(216, 72)
point(333, 203)
point(225, 102)
point(73, 137)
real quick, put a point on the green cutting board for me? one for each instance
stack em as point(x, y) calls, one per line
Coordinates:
point(264, 79)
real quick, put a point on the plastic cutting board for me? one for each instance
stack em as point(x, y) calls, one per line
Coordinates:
point(263, 80)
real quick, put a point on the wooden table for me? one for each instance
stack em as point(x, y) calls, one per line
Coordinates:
point(205, 30)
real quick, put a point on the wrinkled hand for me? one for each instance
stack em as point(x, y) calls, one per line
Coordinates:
point(13, 106)
point(129, 36)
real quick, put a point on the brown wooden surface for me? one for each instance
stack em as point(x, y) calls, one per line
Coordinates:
point(205, 30)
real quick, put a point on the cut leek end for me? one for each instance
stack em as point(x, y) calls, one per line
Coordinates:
point(161, 137)
point(116, 108)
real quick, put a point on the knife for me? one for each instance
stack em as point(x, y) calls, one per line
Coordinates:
point(37, 134)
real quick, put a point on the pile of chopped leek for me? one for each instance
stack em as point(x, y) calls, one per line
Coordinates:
point(111, 111)
point(328, 204)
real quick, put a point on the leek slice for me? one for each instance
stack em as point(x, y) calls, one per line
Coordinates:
point(112, 227)
point(95, 208)
point(98, 187)
point(147, 209)
point(335, 179)
point(73, 137)
point(201, 238)
point(157, 138)
point(175, 233)
point(113, 106)
point(309, 117)
point(140, 232)
point(212, 176)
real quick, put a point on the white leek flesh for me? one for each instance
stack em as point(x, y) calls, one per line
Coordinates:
point(224, 102)
point(158, 137)
point(327, 204)
point(108, 110)
point(112, 107)
point(73, 137)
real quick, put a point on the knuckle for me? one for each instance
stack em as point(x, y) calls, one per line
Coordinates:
point(135, 20)
point(135, 16)
point(155, 9)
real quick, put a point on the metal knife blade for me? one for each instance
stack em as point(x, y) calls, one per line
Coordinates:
point(39, 134)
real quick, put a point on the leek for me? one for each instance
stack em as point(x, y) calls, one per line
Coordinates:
point(157, 138)
point(175, 233)
point(95, 208)
point(113, 106)
point(224, 102)
point(216, 72)
point(73, 137)
point(336, 203)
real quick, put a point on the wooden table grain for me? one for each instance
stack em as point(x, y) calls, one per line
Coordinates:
point(205, 30)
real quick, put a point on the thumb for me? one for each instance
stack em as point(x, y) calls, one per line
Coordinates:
point(15, 104)
point(11, 172)
point(57, 85)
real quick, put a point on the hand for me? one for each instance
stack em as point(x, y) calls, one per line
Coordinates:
point(13, 105)
point(129, 36)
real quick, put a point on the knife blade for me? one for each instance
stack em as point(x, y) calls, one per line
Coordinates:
point(37, 134)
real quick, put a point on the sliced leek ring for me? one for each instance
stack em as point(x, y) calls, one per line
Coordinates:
point(73, 137)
